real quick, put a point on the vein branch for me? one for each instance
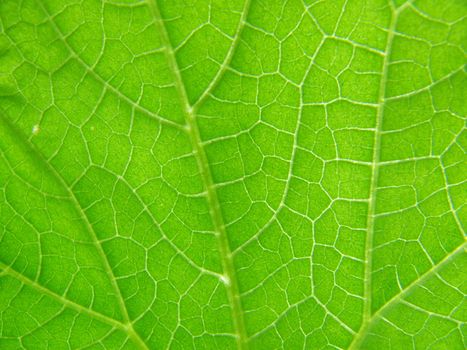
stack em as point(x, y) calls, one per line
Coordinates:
point(74, 306)
point(397, 298)
point(228, 58)
point(71, 304)
point(92, 234)
point(105, 83)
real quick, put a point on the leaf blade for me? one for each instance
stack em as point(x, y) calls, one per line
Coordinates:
point(278, 146)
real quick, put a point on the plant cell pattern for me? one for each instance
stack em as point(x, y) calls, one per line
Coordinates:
point(233, 174)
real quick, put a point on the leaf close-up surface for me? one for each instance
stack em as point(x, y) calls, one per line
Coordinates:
point(233, 174)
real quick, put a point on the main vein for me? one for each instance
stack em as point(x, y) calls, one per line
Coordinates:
point(368, 317)
point(375, 174)
point(230, 280)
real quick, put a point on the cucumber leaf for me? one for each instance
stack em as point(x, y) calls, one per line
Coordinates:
point(233, 174)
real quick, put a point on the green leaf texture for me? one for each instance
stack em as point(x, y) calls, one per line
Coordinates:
point(233, 174)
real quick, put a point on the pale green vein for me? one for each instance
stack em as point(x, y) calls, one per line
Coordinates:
point(220, 73)
point(230, 279)
point(449, 198)
point(375, 172)
point(92, 234)
point(102, 81)
point(74, 306)
point(357, 342)
point(367, 312)
point(165, 318)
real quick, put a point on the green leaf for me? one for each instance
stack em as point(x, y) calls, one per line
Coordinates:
point(220, 174)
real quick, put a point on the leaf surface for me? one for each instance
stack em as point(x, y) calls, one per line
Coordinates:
point(242, 174)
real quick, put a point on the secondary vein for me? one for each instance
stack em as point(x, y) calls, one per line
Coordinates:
point(75, 306)
point(376, 316)
point(66, 302)
point(220, 73)
point(92, 233)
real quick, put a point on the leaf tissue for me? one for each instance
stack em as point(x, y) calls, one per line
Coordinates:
point(233, 174)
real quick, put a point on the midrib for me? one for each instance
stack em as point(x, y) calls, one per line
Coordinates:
point(205, 171)
point(367, 316)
